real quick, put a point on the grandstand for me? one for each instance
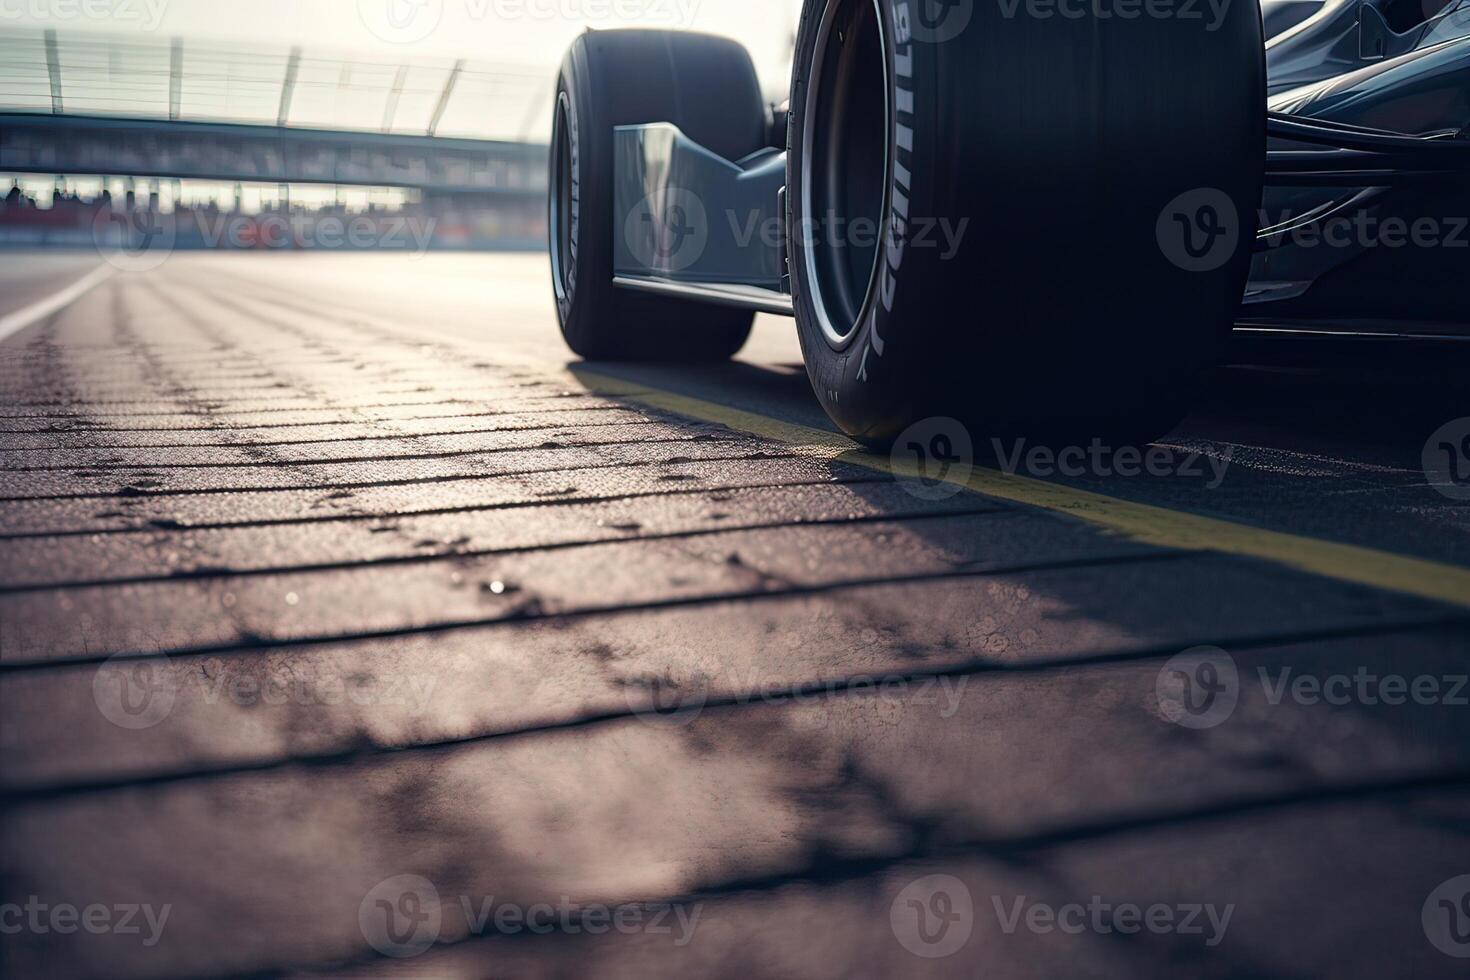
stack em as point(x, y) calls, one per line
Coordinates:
point(155, 120)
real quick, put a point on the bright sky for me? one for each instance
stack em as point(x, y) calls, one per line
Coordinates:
point(529, 32)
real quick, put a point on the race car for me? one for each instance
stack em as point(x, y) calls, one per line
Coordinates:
point(1030, 215)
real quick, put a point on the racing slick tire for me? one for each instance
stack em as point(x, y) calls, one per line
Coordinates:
point(704, 85)
point(1066, 207)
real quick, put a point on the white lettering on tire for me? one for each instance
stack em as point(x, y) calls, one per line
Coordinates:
point(900, 189)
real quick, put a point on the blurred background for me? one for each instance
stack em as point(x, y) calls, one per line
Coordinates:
point(337, 125)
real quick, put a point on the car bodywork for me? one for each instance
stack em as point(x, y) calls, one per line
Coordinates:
point(1309, 41)
point(689, 218)
point(1363, 220)
point(1375, 259)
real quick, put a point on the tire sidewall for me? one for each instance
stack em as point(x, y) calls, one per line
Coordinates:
point(565, 290)
point(876, 380)
point(587, 294)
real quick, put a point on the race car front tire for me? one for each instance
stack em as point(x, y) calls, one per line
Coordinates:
point(704, 85)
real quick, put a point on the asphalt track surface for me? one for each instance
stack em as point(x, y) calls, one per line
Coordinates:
point(321, 571)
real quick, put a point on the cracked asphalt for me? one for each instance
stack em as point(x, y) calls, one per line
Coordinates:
point(348, 629)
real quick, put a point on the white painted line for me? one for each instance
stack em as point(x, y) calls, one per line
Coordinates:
point(22, 318)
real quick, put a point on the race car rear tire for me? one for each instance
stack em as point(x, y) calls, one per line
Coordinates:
point(704, 85)
point(1067, 201)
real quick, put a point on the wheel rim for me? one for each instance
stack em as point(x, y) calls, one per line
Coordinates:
point(844, 183)
point(560, 219)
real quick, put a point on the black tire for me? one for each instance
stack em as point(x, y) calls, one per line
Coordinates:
point(1067, 145)
point(704, 85)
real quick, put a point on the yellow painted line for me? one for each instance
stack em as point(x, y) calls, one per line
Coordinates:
point(1158, 526)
